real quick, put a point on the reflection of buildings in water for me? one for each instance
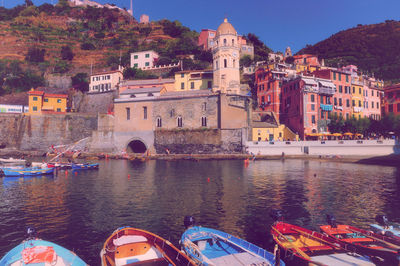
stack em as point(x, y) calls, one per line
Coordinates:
point(349, 191)
point(44, 203)
point(132, 187)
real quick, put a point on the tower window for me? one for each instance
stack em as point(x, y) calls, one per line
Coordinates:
point(225, 42)
point(203, 121)
point(233, 42)
point(179, 120)
point(159, 122)
point(225, 63)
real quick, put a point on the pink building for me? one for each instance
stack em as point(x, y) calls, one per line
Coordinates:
point(307, 104)
point(342, 99)
point(392, 100)
point(306, 59)
point(372, 102)
point(269, 83)
point(206, 39)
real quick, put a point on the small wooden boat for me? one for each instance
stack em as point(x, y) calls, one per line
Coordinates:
point(30, 171)
point(303, 247)
point(85, 166)
point(383, 227)
point(208, 246)
point(60, 165)
point(365, 242)
point(34, 251)
point(131, 246)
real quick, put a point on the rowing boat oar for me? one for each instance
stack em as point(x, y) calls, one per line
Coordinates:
point(393, 246)
point(298, 250)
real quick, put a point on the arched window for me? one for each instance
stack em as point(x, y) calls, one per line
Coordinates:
point(216, 64)
point(172, 113)
point(234, 62)
point(203, 121)
point(204, 107)
point(233, 42)
point(179, 121)
point(159, 122)
point(225, 63)
point(225, 42)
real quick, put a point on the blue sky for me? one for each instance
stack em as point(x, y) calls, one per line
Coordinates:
point(278, 23)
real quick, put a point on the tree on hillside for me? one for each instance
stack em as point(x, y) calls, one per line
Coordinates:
point(80, 82)
point(135, 73)
point(46, 7)
point(245, 60)
point(261, 51)
point(35, 55)
point(129, 72)
point(66, 53)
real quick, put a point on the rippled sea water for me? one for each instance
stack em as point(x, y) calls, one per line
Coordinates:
point(79, 210)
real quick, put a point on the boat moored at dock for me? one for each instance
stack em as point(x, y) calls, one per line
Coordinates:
point(208, 246)
point(34, 251)
point(128, 245)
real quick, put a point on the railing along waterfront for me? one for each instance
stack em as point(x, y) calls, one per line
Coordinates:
point(325, 147)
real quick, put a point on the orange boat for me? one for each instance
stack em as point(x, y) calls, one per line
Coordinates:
point(365, 242)
point(305, 247)
point(131, 246)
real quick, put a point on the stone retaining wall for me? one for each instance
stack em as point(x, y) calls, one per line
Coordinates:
point(207, 141)
point(39, 132)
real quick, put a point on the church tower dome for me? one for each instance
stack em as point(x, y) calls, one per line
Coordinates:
point(226, 28)
point(226, 56)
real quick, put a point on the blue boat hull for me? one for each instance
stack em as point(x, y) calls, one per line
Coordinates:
point(27, 171)
point(391, 230)
point(60, 254)
point(85, 166)
point(208, 246)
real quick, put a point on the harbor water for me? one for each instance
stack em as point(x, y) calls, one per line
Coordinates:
point(80, 209)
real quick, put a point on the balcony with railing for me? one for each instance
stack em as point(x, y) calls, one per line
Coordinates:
point(327, 90)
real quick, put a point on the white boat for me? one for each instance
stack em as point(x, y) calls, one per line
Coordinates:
point(12, 160)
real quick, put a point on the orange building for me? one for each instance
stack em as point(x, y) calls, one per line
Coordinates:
point(342, 99)
point(41, 102)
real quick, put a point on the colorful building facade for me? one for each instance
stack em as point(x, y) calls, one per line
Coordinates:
point(193, 80)
point(269, 83)
point(41, 102)
point(342, 99)
point(307, 105)
point(392, 100)
point(105, 81)
point(144, 59)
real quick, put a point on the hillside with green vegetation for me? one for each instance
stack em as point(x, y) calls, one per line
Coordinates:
point(66, 40)
point(373, 48)
point(38, 41)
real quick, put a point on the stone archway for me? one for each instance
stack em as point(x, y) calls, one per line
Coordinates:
point(136, 146)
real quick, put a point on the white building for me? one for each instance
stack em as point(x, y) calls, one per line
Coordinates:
point(144, 59)
point(105, 81)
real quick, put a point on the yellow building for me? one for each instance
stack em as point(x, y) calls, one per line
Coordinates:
point(266, 128)
point(357, 97)
point(42, 102)
point(193, 80)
